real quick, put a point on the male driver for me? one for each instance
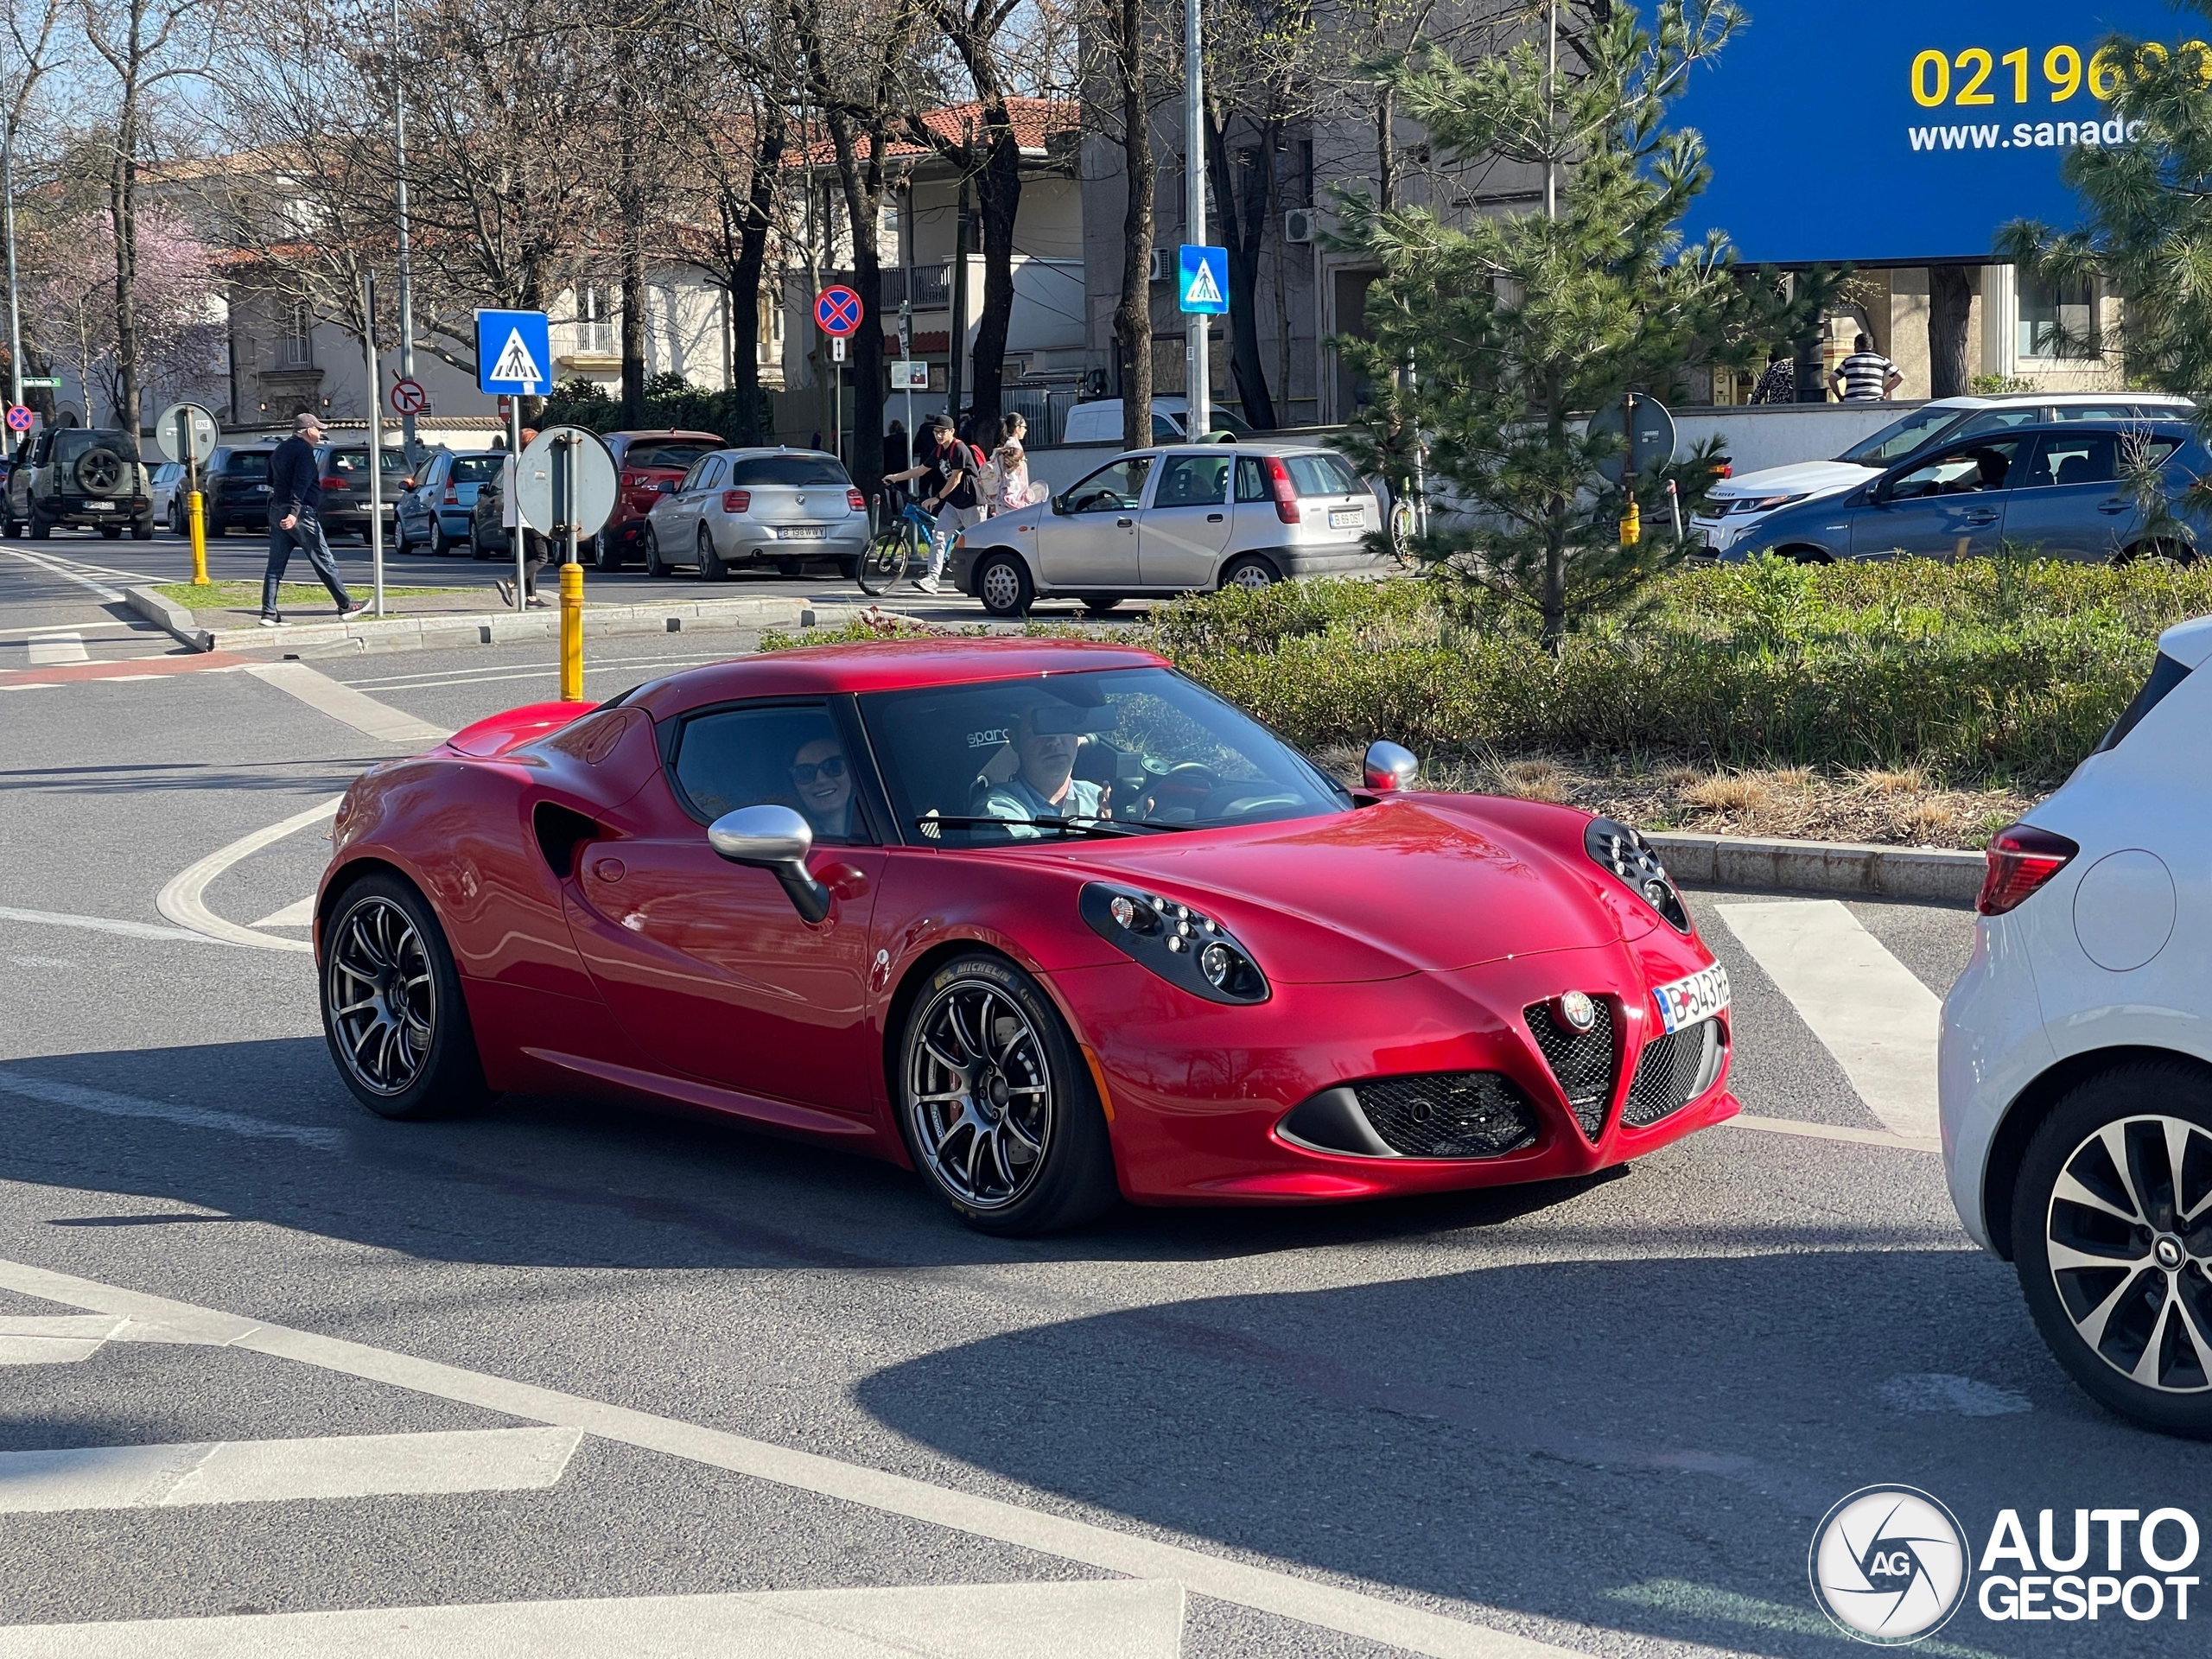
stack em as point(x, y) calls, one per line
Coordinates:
point(1044, 785)
point(1865, 377)
point(295, 493)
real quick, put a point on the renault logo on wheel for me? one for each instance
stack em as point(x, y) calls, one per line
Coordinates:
point(1889, 1565)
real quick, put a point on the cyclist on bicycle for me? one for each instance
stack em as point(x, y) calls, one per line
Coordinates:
point(949, 498)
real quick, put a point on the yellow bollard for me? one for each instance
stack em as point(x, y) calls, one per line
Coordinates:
point(199, 540)
point(1632, 524)
point(572, 632)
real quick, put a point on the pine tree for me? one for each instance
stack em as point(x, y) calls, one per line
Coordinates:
point(1495, 337)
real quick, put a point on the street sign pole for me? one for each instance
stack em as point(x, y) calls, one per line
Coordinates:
point(906, 351)
point(406, 274)
point(1197, 393)
point(566, 462)
point(15, 312)
point(514, 476)
point(375, 443)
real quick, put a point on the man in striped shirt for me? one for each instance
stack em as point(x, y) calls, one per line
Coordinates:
point(1865, 377)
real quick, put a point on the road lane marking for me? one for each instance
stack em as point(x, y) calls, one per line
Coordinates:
point(1812, 1131)
point(54, 1338)
point(275, 1472)
point(54, 567)
point(1289, 1595)
point(104, 925)
point(182, 899)
point(299, 914)
point(58, 648)
point(1112, 1618)
point(77, 1098)
point(345, 704)
point(1867, 1007)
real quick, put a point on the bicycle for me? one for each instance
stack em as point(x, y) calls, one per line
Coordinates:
point(901, 546)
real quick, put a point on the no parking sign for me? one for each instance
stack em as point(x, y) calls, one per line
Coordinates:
point(837, 311)
point(19, 418)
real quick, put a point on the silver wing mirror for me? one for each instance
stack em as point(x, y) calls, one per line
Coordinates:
point(1389, 765)
point(777, 840)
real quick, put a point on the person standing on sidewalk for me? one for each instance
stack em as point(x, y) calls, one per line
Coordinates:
point(294, 521)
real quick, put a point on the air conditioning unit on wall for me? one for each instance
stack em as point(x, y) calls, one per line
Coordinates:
point(1162, 264)
point(1298, 224)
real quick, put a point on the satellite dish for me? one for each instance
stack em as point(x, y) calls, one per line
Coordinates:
point(1651, 431)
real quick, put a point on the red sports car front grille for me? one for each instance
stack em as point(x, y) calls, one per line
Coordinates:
point(1583, 1062)
point(1448, 1114)
point(1673, 1070)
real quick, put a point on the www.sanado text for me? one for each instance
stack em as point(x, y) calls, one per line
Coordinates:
point(2025, 135)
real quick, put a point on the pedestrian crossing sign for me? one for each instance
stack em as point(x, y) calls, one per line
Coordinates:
point(514, 352)
point(1203, 286)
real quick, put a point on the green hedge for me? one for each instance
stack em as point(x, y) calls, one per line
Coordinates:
point(1997, 668)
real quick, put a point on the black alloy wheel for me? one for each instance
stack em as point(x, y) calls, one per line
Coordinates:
point(392, 1011)
point(997, 1105)
point(2112, 1236)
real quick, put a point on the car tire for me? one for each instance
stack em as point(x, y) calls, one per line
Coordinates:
point(790, 566)
point(41, 526)
point(656, 566)
point(476, 545)
point(1028, 1108)
point(849, 568)
point(1101, 604)
point(142, 530)
point(2162, 547)
point(1002, 583)
point(710, 566)
point(10, 528)
point(110, 532)
point(2096, 1319)
point(393, 1010)
point(606, 555)
point(1251, 572)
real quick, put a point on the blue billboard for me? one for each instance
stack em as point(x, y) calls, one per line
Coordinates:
point(1896, 131)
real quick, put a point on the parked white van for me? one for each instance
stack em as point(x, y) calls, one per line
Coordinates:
point(1100, 421)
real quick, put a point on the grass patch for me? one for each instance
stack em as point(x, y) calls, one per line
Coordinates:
point(225, 596)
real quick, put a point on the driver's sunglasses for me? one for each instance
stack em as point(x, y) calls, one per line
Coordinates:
point(807, 771)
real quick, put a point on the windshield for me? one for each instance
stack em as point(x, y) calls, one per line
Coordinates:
point(72, 441)
point(247, 463)
point(675, 456)
point(1143, 747)
point(798, 472)
point(1901, 437)
point(346, 462)
point(477, 470)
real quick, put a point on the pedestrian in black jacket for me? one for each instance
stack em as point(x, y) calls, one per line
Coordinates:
point(295, 498)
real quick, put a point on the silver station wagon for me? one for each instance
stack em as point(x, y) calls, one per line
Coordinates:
point(1171, 519)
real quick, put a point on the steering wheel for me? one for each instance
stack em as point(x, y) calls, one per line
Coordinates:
point(1242, 800)
point(99, 472)
point(1176, 794)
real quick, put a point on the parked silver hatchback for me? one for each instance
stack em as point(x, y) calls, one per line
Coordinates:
point(778, 507)
point(1172, 520)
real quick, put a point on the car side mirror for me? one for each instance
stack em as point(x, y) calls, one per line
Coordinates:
point(1389, 766)
point(1060, 506)
point(775, 839)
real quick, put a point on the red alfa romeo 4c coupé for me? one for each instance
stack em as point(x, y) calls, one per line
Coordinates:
point(1043, 919)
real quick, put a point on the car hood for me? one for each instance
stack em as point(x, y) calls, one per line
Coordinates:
point(1802, 477)
point(1396, 888)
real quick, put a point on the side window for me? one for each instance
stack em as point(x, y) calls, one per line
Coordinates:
point(1193, 481)
point(710, 473)
point(1111, 489)
point(2080, 458)
point(1164, 430)
point(692, 479)
point(1252, 480)
point(785, 755)
point(1961, 469)
point(1996, 420)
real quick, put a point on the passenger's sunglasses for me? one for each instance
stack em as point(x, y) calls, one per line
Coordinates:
point(806, 773)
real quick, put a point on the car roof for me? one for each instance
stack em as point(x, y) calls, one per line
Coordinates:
point(2163, 427)
point(760, 449)
point(883, 665)
point(2059, 399)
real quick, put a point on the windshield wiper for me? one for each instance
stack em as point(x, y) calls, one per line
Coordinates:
point(1105, 828)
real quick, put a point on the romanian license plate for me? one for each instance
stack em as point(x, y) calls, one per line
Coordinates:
point(1692, 998)
point(99, 507)
point(801, 532)
point(1346, 518)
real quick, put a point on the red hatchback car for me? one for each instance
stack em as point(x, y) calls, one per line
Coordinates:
point(1043, 919)
point(649, 465)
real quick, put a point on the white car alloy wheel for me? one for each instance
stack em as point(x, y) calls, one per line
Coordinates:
point(2127, 1242)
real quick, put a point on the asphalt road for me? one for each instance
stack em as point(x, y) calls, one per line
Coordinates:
point(1604, 1415)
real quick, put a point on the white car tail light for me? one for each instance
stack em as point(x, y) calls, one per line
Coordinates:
point(2021, 859)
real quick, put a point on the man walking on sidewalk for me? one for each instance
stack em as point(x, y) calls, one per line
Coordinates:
point(295, 498)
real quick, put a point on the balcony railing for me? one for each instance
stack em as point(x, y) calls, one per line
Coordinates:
point(932, 286)
point(595, 337)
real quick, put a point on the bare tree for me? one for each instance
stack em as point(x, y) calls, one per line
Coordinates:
point(146, 46)
point(32, 56)
point(1121, 78)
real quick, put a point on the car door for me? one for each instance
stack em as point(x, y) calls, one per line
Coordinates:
point(1180, 535)
point(1090, 538)
point(2071, 503)
point(1951, 502)
point(705, 963)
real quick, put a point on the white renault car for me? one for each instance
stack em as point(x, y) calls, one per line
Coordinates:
point(2075, 1073)
point(1737, 505)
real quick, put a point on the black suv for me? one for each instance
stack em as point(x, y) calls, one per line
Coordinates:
point(80, 475)
point(236, 485)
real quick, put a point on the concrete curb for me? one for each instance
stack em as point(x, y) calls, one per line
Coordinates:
point(172, 619)
point(1855, 868)
point(454, 630)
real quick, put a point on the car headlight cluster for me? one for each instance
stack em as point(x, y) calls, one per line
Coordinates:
point(1184, 947)
point(1629, 858)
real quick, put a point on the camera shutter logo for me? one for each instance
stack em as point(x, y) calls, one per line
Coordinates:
point(1889, 1565)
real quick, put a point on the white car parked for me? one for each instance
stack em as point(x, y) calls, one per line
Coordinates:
point(1737, 505)
point(2075, 1071)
